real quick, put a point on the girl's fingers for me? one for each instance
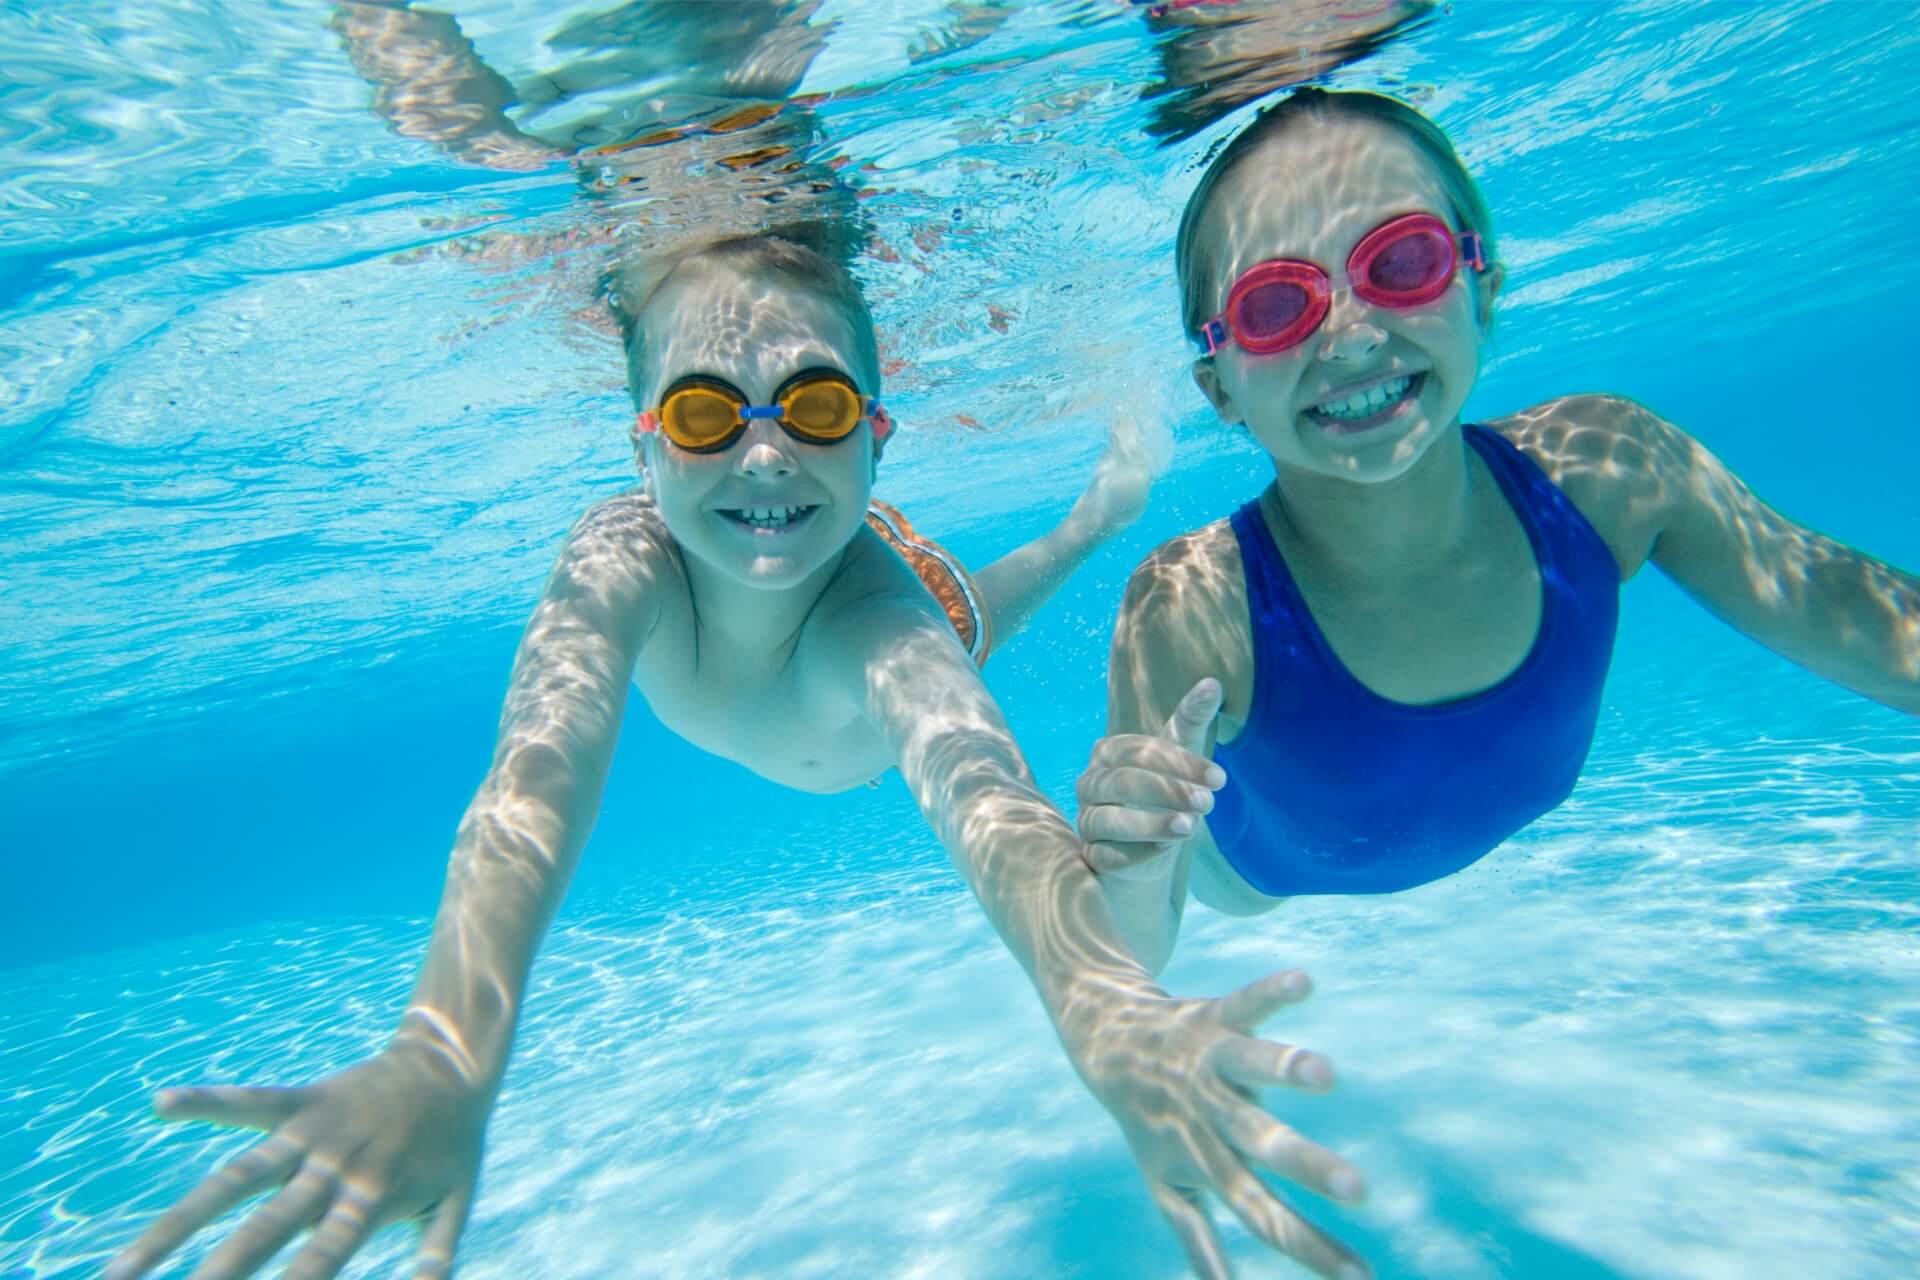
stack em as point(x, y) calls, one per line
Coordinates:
point(266, 1165)
point(1264, 1140)
point(1260, 1064)
point(1117, 824)
point(1253, 1004)
point(268, 1228)
point(247, 1108)
point(442, 1236)
point(338, 1237)
point(1128, 861)
point(1272, 1221)
point(1145, 788)
point(1190, 720)
point(1156, 755)
point(1186, 1212)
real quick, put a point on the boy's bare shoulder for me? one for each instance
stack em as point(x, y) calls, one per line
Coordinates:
point(619, 554)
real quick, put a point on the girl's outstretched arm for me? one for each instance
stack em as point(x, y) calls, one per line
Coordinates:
point(399, 1136)
point(1656, 493)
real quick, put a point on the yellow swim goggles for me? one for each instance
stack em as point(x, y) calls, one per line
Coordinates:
point(703, 414)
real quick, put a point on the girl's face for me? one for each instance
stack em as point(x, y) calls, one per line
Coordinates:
point(1368, 392)
point(768, 510)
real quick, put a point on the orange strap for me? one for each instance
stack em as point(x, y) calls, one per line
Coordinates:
point(945, 577)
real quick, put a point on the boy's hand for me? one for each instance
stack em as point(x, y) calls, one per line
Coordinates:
point(1179, 1076)
point(1142, 795)
point(396, 1137)
point(1117, 494)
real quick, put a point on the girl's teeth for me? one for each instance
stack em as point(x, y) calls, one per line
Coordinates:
point(1366, 403)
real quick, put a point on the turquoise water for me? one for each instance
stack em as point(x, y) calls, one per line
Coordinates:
point(294, 409)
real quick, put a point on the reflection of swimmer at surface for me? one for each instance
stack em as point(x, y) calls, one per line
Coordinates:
point(674, 117)
point(746, 595)
point(1395, 654)
point(1219, 55)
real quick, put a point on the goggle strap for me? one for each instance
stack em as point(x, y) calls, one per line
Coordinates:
point(647, 421)
point(1474, 250)
point(882, 423)
point(1213, 335)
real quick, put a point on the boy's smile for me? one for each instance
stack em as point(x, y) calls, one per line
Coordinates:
point(768, 510)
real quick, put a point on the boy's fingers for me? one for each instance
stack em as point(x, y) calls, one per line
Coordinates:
point(1258, 1064)
point(1186, 1213)
point(1264, 1140)
point(337, 1238)
point(442, 1236)
point(241, 1107)
point(266, 1165)
point(268, 1228)
point(1265, 1216)
point(1253, 1004)
point(1190, 720)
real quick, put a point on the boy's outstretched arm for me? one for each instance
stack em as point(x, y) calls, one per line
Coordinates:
point(1178, 1075)
point(1018, 583)
point(399, 1136)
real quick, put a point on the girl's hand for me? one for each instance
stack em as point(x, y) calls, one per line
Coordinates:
point(1142, 795)
point(1179, 1076)
point(396, 1137)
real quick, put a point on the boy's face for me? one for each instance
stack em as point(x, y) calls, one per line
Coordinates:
point(769, 510)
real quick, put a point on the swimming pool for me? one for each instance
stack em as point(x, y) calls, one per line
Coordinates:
point(286, 451)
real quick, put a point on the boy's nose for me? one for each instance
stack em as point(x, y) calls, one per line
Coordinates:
point(766, 455)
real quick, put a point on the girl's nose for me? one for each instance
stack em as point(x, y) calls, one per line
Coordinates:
point(1350, 333)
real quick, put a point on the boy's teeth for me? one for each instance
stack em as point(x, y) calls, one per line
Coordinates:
point(1366, 403)
point(768, 517)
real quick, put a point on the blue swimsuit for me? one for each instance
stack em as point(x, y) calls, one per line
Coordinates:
point(1332, 788)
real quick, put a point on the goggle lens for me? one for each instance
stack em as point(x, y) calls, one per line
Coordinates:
point(699, 416)
point(1414, 265)
point(1269, 310)
point(825, 408)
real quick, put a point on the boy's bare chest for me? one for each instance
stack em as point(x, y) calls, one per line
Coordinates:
point(760, 712)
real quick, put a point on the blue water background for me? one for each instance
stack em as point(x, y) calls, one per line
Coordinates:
point(273, 503)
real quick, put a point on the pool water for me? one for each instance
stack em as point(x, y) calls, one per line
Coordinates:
point(295, 407)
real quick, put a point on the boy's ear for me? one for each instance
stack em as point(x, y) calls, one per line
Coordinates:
point(1207, 378)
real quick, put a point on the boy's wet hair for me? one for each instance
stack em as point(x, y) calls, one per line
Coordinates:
point(1199, 290)
point(632, 285)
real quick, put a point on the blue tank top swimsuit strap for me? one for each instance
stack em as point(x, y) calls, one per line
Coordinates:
point(1332, 788)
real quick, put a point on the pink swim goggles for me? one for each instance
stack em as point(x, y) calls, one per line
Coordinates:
point(1403, 263)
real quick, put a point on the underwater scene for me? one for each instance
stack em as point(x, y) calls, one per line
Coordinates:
point(448, 474)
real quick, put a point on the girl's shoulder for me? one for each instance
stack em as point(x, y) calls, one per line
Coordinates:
point(1614, 458)
point(1188, 595)
point(1198, 568)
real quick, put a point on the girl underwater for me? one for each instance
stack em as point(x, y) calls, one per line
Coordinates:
point(1391, 660)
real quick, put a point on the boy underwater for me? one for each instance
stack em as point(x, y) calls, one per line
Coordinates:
point(749, 593)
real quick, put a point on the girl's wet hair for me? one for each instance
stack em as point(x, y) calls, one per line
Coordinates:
point(632, 285)
point(1194, 257)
